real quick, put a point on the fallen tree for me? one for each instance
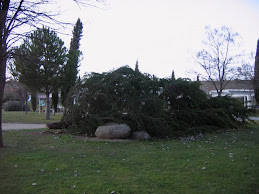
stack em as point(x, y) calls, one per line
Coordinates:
point(162, 107)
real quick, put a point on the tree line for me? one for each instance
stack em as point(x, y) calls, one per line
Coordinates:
point(16, 15)
point(43, 64)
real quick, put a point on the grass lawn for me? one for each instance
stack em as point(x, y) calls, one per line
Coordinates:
point(217, 163)
point(31, 117)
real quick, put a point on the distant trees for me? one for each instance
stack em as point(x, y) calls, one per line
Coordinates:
point(15, 91)
point(245, 72)
point(39, 62)
point(69, 75)
point(219, 57)
point(14, 16)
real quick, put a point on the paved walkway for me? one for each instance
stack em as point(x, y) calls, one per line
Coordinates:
point(18, 126)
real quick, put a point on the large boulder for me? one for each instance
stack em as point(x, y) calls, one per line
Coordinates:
point(140, 135)
point(113, 131)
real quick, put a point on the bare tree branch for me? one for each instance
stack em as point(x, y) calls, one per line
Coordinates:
point(218, 57)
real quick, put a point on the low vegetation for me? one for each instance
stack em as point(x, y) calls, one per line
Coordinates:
point(33, 162)
point(30, 117)
point(15, 106)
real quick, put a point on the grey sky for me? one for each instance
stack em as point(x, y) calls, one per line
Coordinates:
point(163, 35)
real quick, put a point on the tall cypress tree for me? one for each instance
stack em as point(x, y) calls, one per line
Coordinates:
point(136, 66)
point(173, 75)
point(71, 68)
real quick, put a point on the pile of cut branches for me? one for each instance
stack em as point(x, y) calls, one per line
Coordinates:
point(162, 107)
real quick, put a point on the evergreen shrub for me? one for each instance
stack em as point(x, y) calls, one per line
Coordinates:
point(15, 106)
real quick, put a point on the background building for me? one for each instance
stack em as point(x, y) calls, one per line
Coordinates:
point(241, 89)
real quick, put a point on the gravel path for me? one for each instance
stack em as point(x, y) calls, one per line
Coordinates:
point(18, 126)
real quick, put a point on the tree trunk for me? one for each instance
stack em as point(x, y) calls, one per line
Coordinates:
point(47, 106)
point(256, 74)
point(3, 57)
point(2, 85)
point(26, 102)
point(1, 137)
point(221, 82)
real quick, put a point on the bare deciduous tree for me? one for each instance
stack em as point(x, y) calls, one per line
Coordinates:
point(219, 57)
point(245, 72)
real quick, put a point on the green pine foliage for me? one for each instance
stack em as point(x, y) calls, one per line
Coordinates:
point(136, 66)
point(39, 62)
point(173, 75)
point(162, 107)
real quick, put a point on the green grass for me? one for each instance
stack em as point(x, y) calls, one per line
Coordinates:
point(74, 165)
point(31, 117)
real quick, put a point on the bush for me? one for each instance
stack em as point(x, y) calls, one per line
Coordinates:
point(15, 106)
point(162, 107)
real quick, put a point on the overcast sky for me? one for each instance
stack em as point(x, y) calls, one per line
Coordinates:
point(163, 35)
